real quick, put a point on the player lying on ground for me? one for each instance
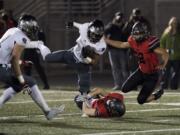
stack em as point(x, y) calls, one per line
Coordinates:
point(147, 49)
point(12, 45)
point(100, 103)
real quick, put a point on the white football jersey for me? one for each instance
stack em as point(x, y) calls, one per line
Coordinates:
point(7, 42)
point(83, 41)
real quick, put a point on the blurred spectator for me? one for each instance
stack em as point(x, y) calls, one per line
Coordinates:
point(117, 56)
point(10, 12)
point(2, 27)
point(170, 40)
point(135, 16)
point(9, 22)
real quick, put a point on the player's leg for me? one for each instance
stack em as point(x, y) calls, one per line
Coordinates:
point(39, 66)
point(132, 81)
point(5, 77)
point(37, 96)
point(57, 56)
point(145, 94)
point(84, 77)
point(7, 95)
point(166, 76)
point(115, 67)
point(175, 75)
point(123, 65)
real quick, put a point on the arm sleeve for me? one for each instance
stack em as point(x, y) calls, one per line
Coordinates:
point(101, 50)
point(21, 40)
point(77, 25)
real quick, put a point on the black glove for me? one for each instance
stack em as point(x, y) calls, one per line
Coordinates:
point(69, 25)
point(88, 51)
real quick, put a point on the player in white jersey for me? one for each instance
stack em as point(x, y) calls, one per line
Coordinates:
point(12, 45)
point(91, 36)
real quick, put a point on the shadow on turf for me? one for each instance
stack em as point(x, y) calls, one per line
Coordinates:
point(59, 125)
point(68, 126)
point(168, 116)
point(144, 121)
point(17, 121)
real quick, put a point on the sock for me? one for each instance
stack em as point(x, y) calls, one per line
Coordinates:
point(37, 96)
point(7, 95)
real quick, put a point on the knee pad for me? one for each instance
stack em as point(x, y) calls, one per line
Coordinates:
point(125, 89)
point(141, 99)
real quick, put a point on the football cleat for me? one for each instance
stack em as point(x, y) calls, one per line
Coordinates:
point(54, 112)
point(158, 94)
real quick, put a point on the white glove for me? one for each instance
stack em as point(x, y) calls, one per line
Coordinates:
point(87, 60)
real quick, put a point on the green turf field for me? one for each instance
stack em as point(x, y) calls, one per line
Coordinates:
point(21, 116)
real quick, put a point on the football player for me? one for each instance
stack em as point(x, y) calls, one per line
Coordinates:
point(89, 46)
point(109, 104)
point(146, 48)
point(12, 45)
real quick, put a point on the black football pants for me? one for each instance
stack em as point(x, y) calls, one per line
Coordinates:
point(148, 82)
point(83, 70)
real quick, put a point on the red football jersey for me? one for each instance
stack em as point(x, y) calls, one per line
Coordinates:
point(147, 59)
point(100, 104)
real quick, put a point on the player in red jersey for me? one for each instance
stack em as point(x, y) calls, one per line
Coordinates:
point(109, 104)
point(146, 48)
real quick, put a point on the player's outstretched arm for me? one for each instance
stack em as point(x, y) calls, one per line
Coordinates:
point(16, 54)
point(164, 55)
point(98, 91)
point(72, 24)
point(88, 110)
point(117, 44)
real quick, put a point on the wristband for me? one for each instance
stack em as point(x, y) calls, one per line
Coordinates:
point(21, 79)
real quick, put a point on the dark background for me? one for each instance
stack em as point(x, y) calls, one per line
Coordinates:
point(53, 15)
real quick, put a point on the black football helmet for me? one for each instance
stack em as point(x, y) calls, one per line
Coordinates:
point(140, 31)
point(95, 31)
point(116, 108)
point(28, 24)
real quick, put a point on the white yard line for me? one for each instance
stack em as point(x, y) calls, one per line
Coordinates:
point(70, 99)
point(166, 120)
point(37, 116)
point(73, 114)
point(26, 116)
point(151, 110)
point(31, 101)
point(136, 132)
